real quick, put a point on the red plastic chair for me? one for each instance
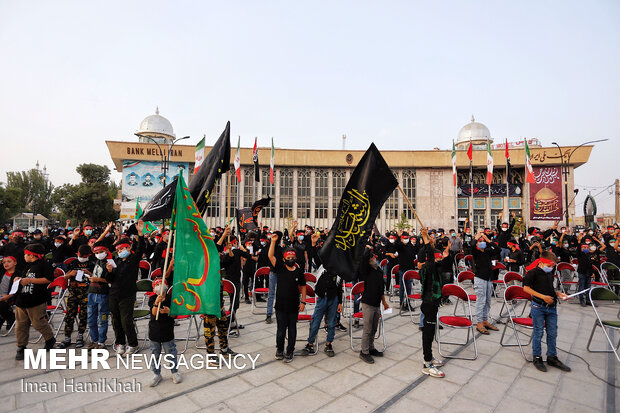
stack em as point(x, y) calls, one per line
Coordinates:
point(310, 278)
point(510, 277)
point(70, 260)
point(156, 273)
point(461, 280)
point(456, 322)
point(59, 307)
point(395, 282)
point(512, 296)
point(145, 266)
point(566, 285)
point(597, 274)
point(359, 289)
point(260, 274)
point(415, 276)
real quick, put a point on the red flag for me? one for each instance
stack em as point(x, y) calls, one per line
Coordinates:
point(470, 152)
point(507, 154)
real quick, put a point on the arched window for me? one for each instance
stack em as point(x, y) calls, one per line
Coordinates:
point(409, 190)
point(267, 189)
point(391, 205)
point(303, 194)
point(339, 177)
point(321, 193)
point(286, 193)
point(248, 186)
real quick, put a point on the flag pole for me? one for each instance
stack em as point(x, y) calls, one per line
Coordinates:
point(228, 201)
point(411, 206)
point(172, 238)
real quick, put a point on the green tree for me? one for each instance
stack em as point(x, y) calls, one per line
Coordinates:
point(9, 203)
point(35, 192)
point(91, 199)
point(403, 223)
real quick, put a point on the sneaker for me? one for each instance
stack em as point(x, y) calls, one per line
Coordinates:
point(431, 370)
point(340, 327)
point(155, 381)
point(308, 350)
point(289, 356)
point(49, 344)
point(329, 350)
point(437, 363)
point(268, 320)
point(227, 352)
point(119, 349)
point(233, 333)
point(20, 353)
point(64, 343)
point(555, 362)
point(130, 350)
point(421, 328)
point(376, 353)
point(367, 358)
point(212, 361)
point(101, 346)
point(539, 364)
point(279, 354)
point(177, 378)
point(247, 301)
point(79, 343)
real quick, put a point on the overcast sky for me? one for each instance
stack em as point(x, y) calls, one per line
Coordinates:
point(404, 74)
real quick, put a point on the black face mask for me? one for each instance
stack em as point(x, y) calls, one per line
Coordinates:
point(289, 262)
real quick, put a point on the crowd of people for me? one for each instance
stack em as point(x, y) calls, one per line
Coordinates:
point(101, 267)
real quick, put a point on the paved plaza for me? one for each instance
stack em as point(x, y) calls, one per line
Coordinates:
point(498, 380)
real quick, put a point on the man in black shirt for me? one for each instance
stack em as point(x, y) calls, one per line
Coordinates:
point(539, 283)
point(483, 251)
point(406, 253)
point(290, 279)
point(31, 299)
point(372, 297)
point(98, 298)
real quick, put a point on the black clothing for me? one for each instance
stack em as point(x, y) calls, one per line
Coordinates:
point(233, 265)
point(287, 288)
point(518, 257)
point(429, 309)
point(328, 285)
point(15, 250)
point(406, 256)
point(123, 278)
point(504, 236)
point(287, 323)
point(77, 265)
point(32, 295)
point(162, 329)
point(300, 253)
point(586, 260)
point(159, 255)
point(60, 254)
point(541, 282)
point(373, 285)
point(99, 270)
point(482, 260)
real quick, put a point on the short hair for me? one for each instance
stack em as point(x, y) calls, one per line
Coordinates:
point(549, 255)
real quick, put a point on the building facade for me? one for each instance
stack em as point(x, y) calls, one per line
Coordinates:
point(308, 183)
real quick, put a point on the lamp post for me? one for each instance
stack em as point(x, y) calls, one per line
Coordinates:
point(564, 167)
point(35, 195)
point(165, 160)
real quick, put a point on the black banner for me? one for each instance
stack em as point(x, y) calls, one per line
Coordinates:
point(160, 207)
point(215, 164)
point(370, 185)
point(482, 190)
point(247, 218)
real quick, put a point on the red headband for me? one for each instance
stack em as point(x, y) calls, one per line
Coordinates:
point(11, 257)
point(438, 255)
point(289, 253)
point(99, 248)
point(33, 253)
point(538, 261)
point(512, 244)
point(124, 245)
point(21, 234)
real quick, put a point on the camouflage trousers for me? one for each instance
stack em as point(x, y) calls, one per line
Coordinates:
point(77, 302)
point(211, 322)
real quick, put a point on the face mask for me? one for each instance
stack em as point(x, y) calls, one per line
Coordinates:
point(263, 243)
point(591, 232)
point(82, 259)
point(612, 243)
point(553, 242)
point(565, 245)
point(289, 262)
point(123, 254)
point(563, 231)
point(37, 237)
point(453, 234)
point(88, 232)
point(405, 240)
point(392, 240)
point(482, 245)
point(547, 269)
point(301, 237)
point(101, 255)
point(504, 229)
point(57, 244)
point(592, 248)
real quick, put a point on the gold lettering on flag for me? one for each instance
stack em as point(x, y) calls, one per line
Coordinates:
point(353, 216)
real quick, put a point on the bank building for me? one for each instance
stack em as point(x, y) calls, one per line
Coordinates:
point(308, 182)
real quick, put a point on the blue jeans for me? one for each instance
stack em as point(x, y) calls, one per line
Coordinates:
point(170, 348)
point(273, 279)
point(324, 306)
point(505, 253)
point(544, 318)
point(484, 292)
point(585, 281)
point(401, 290)
point(98, 315)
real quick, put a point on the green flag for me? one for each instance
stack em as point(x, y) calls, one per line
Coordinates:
point(196, 288)
point(148, 226)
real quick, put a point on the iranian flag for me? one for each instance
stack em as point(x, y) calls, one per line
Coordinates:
point(200, 155)
point(238, 160)
point(529, 171)
point(489, 164)
point(454, 163)
point(272, 171)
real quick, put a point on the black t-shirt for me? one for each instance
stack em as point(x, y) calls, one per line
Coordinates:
point(287, 288)
point(373, 286)
point(162, 329)
point(100, 271)
point(541, 282)
point(406, 256)
point(32, 295)
point(77, 265)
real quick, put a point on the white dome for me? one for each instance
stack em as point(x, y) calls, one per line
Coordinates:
point(474, 131)
point(156, 125)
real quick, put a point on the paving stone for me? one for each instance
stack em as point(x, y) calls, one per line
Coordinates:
point(573, 389)
point(434, 392)
point(462, 404)
point(221, 391)
point(309, 399)
point(565, 406)
point(348, 403)
point(302, 378)
point(541, 397)
point(258, 398)
point(378, 389)
point(485, 390)
point(518, 405)
point(341, 382)
point(500, 372)
point(409, 405)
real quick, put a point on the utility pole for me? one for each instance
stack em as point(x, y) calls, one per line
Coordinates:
point(617, 200)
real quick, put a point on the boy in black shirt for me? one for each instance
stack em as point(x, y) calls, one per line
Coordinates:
point(290, 279)
point(98, 298)
point(539, 283)
point(77, 302)
point(161, 334)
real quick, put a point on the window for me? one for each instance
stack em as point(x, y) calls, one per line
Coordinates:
point(516, 176)
point(479, 219)
point(267, 189)
point(391, 205)
point(248, 187)
point(303, 194)
point(234, 195)
point(498, 177)
point(321, 194)
point(339, 181)
point(462, 177)
point(409, 190)
point(213, 207)
point(286, 193)
point(480, 177)
point(494, 216)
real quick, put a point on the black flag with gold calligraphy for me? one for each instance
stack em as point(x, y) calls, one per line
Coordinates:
point(371, 183)
point(215, 164)
point(247, 218)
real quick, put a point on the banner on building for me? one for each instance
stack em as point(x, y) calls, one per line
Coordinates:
point(546, 194)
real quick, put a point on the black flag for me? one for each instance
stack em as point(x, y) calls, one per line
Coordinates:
point(247, 218)
point(255, 160)
point(371, 183)
point(160, 207)
point(215, 164)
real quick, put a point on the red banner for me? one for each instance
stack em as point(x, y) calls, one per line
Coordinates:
point(546, 194)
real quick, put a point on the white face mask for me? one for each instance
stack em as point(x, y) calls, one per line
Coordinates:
point(82, 259)
point(101, 255)
point(405, 240)
point(392, 240)
point(592, 249)
point(57, 244)
point(504, 229)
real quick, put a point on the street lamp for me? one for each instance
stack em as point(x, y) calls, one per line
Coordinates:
point(165, 160)
point(564, 167)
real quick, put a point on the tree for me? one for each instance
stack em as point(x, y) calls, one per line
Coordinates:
point(91, 199)
point(9, 203)
point(403, 223)
point(35, 192)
